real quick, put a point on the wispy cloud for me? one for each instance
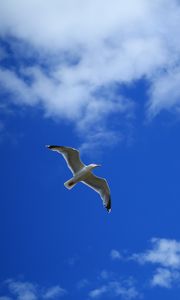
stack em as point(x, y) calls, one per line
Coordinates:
point(54, 292)
point(164, 277)
point(165, 93)
point(164, 257)
point(23, 290)
point(104, 274)
point(164, 253)
point(79, 59)
point(115, 254)
point(110, 284)
point(125, 289)
point(98, 292)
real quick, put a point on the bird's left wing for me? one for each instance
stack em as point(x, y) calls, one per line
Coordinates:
point(101, 186)
point(71, 156)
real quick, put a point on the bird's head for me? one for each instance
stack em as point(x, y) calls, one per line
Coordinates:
point(93, 166)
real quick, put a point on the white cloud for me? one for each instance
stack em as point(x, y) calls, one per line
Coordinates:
point(98, 292)
point(165, 277)
point(61, 24)
point(54, 292)
point(165, 252)
point(112, 287)
point(115, 254)
point(165, 93)
point(23, 290)
point(87, 49)
point(105, 274)
point(125, 289)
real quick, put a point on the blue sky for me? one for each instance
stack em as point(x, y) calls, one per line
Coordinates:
point(103, 78)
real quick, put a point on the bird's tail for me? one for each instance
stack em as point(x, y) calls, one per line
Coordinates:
point(70, 184)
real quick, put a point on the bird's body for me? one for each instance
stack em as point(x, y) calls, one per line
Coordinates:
point(82, 173)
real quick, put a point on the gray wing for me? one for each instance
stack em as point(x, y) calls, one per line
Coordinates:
point(101, 186)
point(71, 156)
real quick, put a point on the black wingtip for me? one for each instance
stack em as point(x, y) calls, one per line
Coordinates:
point(51, 146)
point(108, 207)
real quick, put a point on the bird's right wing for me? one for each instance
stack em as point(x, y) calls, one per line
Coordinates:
point(101, 186)
point(71, 156)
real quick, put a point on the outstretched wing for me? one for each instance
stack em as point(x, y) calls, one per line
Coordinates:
point(101, 186)
point(71, 156)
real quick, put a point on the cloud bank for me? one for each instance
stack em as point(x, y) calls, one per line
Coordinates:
point(70, 58)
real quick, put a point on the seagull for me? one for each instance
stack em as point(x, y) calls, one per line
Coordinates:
point(83, 173)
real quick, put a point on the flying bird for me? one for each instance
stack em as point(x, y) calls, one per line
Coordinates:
point(83, 173)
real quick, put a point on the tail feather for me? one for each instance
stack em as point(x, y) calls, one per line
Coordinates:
point(70, 184)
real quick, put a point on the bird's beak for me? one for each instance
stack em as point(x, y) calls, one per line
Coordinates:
point(98, 165)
